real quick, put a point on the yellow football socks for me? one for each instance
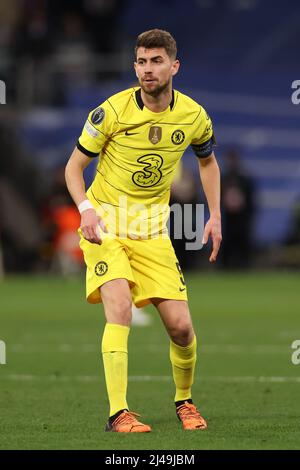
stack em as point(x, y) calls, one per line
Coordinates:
point(183, 359)
point(115, 361)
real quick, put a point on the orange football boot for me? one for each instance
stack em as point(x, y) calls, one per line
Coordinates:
point(127, 422)
point(190, 417)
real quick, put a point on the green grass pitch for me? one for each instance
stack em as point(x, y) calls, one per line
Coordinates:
point(52, 391)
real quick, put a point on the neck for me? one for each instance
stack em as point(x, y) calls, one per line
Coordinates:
point(159, 103)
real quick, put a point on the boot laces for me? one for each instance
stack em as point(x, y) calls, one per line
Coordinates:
point(188, 411)
point(127, 417)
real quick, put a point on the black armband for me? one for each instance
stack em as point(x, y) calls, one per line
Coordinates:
point(205, 149)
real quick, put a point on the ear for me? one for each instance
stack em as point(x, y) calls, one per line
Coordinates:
point(175, 67)
point(135, 69)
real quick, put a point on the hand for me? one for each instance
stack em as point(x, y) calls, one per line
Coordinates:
point(90, 222)
point(213, 229)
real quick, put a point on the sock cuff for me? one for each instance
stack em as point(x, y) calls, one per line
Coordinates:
point(184, 351)
point(115, 338)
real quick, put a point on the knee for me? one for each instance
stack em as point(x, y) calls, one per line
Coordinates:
point(182, 332)
point(118, 310)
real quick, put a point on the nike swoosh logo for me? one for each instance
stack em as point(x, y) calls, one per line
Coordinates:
point(182, 289)
point(131, 133)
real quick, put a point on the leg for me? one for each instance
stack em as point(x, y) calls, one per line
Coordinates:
point(177, 320)
point(116, 299)
point(117, 307)
point(176, 317)
point(109, 275)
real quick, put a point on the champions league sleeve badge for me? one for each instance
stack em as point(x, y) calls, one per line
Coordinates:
point(98, 116)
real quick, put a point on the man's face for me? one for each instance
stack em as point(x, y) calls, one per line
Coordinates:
point(154, 69)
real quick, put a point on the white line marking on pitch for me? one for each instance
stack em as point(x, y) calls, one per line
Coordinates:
point(149, 378)
point(204, 349)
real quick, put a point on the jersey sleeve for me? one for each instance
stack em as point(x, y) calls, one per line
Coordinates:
point(203, 141)
point(98, 128)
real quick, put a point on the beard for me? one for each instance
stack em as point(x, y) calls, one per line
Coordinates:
point(158, 90)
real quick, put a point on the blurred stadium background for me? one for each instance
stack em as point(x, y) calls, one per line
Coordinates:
point(59, 59)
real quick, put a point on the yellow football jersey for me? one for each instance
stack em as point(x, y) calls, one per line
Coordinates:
point(139, 151)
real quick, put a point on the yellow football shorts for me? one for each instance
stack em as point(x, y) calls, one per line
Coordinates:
point(150, 267)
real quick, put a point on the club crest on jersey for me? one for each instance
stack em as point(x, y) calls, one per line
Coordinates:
point(101, 268)
point(98, 115)
point(155, 133)
point(178, 137)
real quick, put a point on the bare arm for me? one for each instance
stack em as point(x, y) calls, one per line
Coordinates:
point(75, 184)
point(74, 175)
point(210, 178)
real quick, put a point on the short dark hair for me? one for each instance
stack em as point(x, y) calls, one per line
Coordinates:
point(157, 38)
